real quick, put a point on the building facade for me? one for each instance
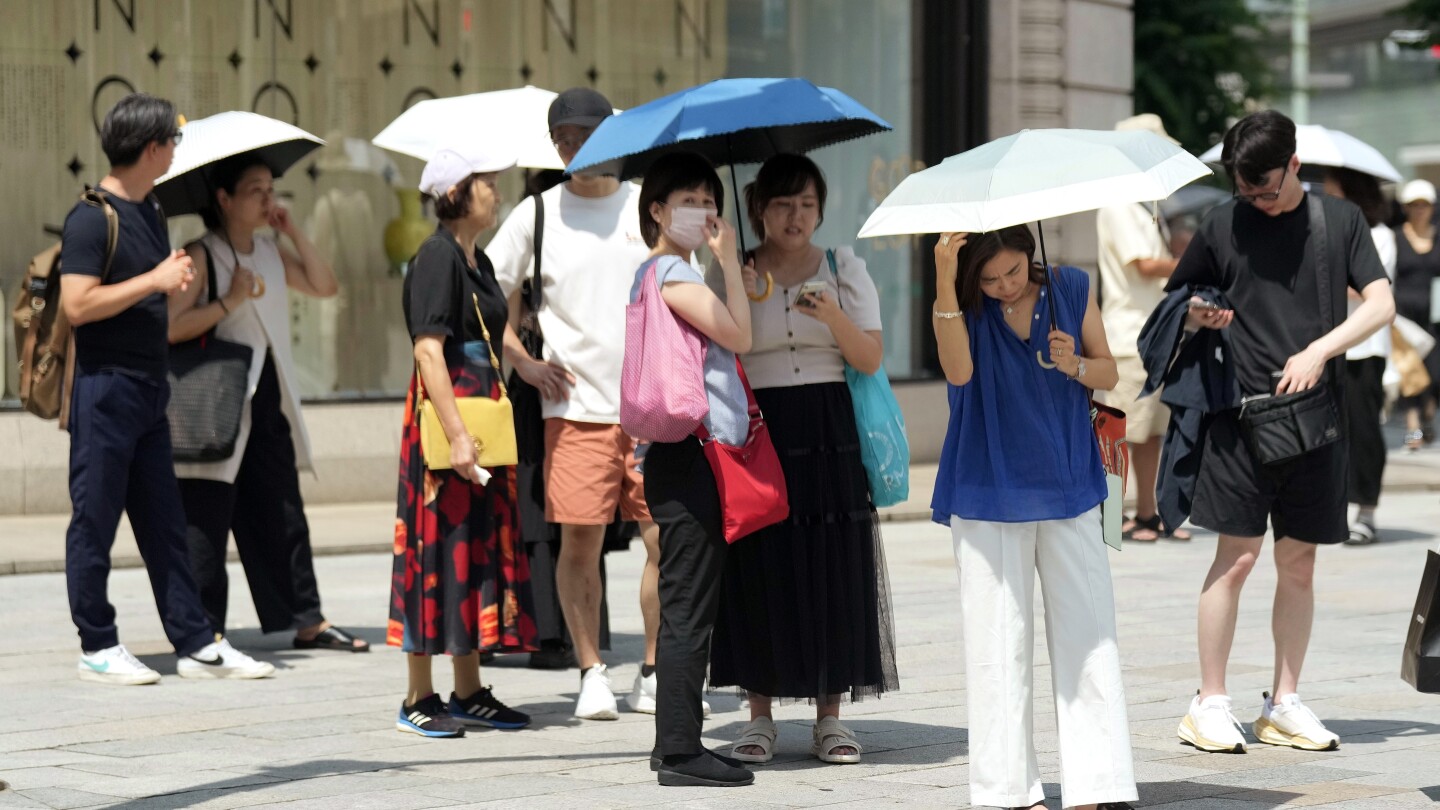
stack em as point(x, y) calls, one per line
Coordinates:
point(947, 74)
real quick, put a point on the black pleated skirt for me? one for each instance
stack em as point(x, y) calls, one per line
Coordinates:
point(805, 604)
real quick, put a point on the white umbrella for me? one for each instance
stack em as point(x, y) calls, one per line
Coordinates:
point(186, 188)
point(1034, 175)
point(1321, 146)
point(518, 117)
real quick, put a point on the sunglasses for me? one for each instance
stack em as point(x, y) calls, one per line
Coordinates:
point(1267, 196)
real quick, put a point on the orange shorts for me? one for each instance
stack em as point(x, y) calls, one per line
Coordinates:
point(590, 469)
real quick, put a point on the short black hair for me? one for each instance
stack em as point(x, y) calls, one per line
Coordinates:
point(135, 122)
point(979, 249)
point(677, 171)
point(782, 176)
point(226, 174)
point(449, 210)
point(1258, 143)
point(1363, 190)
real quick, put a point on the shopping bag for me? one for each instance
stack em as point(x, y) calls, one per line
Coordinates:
point(1420, 665)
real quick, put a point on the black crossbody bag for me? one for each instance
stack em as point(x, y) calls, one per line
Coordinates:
point(1283, 427)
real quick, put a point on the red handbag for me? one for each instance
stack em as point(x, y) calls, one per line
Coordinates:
point(749, 478)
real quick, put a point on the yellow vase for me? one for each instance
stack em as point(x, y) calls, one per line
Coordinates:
point(405, 233)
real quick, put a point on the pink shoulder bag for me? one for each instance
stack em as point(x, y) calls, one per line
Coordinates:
point(662, 377)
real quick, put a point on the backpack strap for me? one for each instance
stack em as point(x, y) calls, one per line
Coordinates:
point(97, 197)
point(834, 271)
point(536, 292)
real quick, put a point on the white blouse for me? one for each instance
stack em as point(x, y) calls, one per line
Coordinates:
point(791, 348)
point(263, 324)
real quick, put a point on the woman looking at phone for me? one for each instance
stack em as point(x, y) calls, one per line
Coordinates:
point(805, 606)
point(1020, 486)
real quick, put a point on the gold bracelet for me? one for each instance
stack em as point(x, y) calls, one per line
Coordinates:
point(935, 313)
point(769, 288)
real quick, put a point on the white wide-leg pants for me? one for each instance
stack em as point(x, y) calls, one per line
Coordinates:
point(998, 562)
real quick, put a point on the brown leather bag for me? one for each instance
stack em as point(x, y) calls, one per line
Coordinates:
point(44, 341)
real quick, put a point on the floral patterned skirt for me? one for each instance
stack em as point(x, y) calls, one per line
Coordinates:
point(461, 580)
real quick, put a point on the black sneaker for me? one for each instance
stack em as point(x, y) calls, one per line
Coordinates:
point(482, 708)
point(429, 718)
point(702, 770)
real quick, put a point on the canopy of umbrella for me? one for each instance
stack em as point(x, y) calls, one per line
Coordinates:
point(516, 117)
point(186, 189)
point(728, 121)
point(1032, 176)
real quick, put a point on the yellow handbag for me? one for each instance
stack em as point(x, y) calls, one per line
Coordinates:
point(490, 422)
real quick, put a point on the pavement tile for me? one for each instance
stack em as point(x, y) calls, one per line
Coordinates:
point(66, 798)
point(1315, 793)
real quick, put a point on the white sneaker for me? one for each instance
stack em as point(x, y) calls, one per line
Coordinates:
point(596, 701)
point(1210, 726)
point(1290, 723)
point(220, 660)
point(642, 697)
point(115, 665)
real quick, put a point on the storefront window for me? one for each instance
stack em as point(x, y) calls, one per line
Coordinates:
point(343, 70)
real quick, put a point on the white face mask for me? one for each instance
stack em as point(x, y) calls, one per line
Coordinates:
point(687, 227)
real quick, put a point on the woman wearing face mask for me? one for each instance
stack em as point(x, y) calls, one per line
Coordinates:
point(461, 582)
point(1020, 485)
point(805, 608)
point(256, 492)
point(678, 205)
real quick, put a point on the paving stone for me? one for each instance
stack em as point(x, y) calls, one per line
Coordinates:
point(66, 798)
point(1314, 793)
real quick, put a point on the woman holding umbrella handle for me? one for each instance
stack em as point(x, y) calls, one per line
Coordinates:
point(1020, 485)
point(256, 491)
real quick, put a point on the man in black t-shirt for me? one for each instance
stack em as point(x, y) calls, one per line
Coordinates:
point(120, 458)
point(1265, 253)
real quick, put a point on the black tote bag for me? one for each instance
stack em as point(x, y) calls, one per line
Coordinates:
point(1420, 666)
point(209, 378)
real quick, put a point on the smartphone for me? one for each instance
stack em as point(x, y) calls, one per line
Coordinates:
point(807, 289)
point(1203, 305)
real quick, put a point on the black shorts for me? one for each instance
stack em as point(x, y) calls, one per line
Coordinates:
point(1303, 498)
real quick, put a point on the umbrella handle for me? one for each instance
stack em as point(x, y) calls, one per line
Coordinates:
point(1050, 299)
point(735, 193)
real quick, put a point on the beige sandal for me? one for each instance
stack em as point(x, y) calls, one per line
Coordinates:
point(761, 733)
point(829, 735)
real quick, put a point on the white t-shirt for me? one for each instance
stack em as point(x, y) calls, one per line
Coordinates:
point(1128, 233)
point(591, 249)
point(1378, 344)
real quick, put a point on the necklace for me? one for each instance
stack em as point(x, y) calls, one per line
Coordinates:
point(1010, 309)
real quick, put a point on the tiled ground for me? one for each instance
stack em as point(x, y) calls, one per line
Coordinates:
point(320, 734)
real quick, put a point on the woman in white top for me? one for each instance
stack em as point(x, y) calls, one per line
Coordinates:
point(256, 491)
point(1365, 363)
point(805, 608)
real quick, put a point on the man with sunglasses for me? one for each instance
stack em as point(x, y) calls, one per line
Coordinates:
point(1266, 251)
point(120, 459)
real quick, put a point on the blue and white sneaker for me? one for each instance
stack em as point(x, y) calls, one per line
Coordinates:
point(429, 718)
point(483, 708)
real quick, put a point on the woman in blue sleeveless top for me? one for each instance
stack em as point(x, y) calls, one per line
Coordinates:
point(1020, 486)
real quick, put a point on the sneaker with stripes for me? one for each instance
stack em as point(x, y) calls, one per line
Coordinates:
point(429, 718)
point(483, 708)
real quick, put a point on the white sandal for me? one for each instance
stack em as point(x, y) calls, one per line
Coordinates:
point(829, 734)
point(761, 733)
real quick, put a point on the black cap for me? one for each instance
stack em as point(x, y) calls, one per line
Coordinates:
point(579, 106)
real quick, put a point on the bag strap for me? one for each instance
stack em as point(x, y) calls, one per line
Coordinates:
point(703, 434)
point(536, 292)
point(99, 198)
point(494, 361)
point(834, 271)
point(1323, 278)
